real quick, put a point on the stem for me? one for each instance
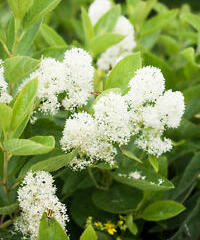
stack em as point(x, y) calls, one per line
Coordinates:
point(5, 176)
point(6, 224)
point(94, 180)
point(6, 49)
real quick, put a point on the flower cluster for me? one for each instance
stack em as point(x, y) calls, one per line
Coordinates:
point(82, 132)
point(153, 110)
point(4, 96)
point(123, 26)
point(144, 112)
point(36, 196)
point(73, 78)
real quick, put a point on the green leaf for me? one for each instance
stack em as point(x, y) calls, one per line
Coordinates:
point(54, 163)
point(11, 33)
point(158, 22)
point(20, 7)
point(142, 178)
point(51, 36)
point(23, 105)
point(192, 93)
point(89, 234)
point(170, 44)
point(154, 162)
point(108, 21)
point(131, 225)
point(131, 155)
point(192, 19)
point(5, 117)
point(99, 44)
point(162, 210)
point(26, 42)
point(124, 71)
point(87, 26)
point(9, 209)
point(189, 54)
point(119, 199)
point(50, 229)
point(189, 176)
point(33, 146)
point(16, 68)
point(39, 9)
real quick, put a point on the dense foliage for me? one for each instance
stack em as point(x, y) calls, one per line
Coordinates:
point(99, 120)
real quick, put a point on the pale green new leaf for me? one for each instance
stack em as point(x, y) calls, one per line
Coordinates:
point(33, 146)
point(162, 210)
point(26, 42)
point(89, 234)
point(5, 117)
point(54, 163)
point(158, 22)
point(20, 7)
point(87, 26)
point(124, 71)
point(23, 105)
point(192, 19)
point(132, 227)
point(100, 43)
point(16, 68)
point(51, 36)
point(50, 229)
point(39, 9)
point(154, 162)
point(108, 21)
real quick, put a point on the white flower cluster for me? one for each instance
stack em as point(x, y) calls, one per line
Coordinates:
point(153, 110)
point(111, 113)
point(97, 9)
point(145, 112)
point(36, 196)
point(82, 132)
point(123, 26)
point(73, 77)
point(4, 96)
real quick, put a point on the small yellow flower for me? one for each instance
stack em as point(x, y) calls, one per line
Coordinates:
point(121, 222)
point(110, 228)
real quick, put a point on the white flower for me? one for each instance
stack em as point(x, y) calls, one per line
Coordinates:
point(82, 132)
point(36, 196)
point(111, 112)
point(170, 108)
point(135, 175)
point(151, 118)
point(146, 86)
point(153, 143)
point(97, 9)
point(112, 55)
point(79, 78)
point(4, 96)
point(51, 82)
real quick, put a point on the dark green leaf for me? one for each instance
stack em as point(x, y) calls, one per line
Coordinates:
point(9, 209)
point(119, 199)
point(162, 210)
